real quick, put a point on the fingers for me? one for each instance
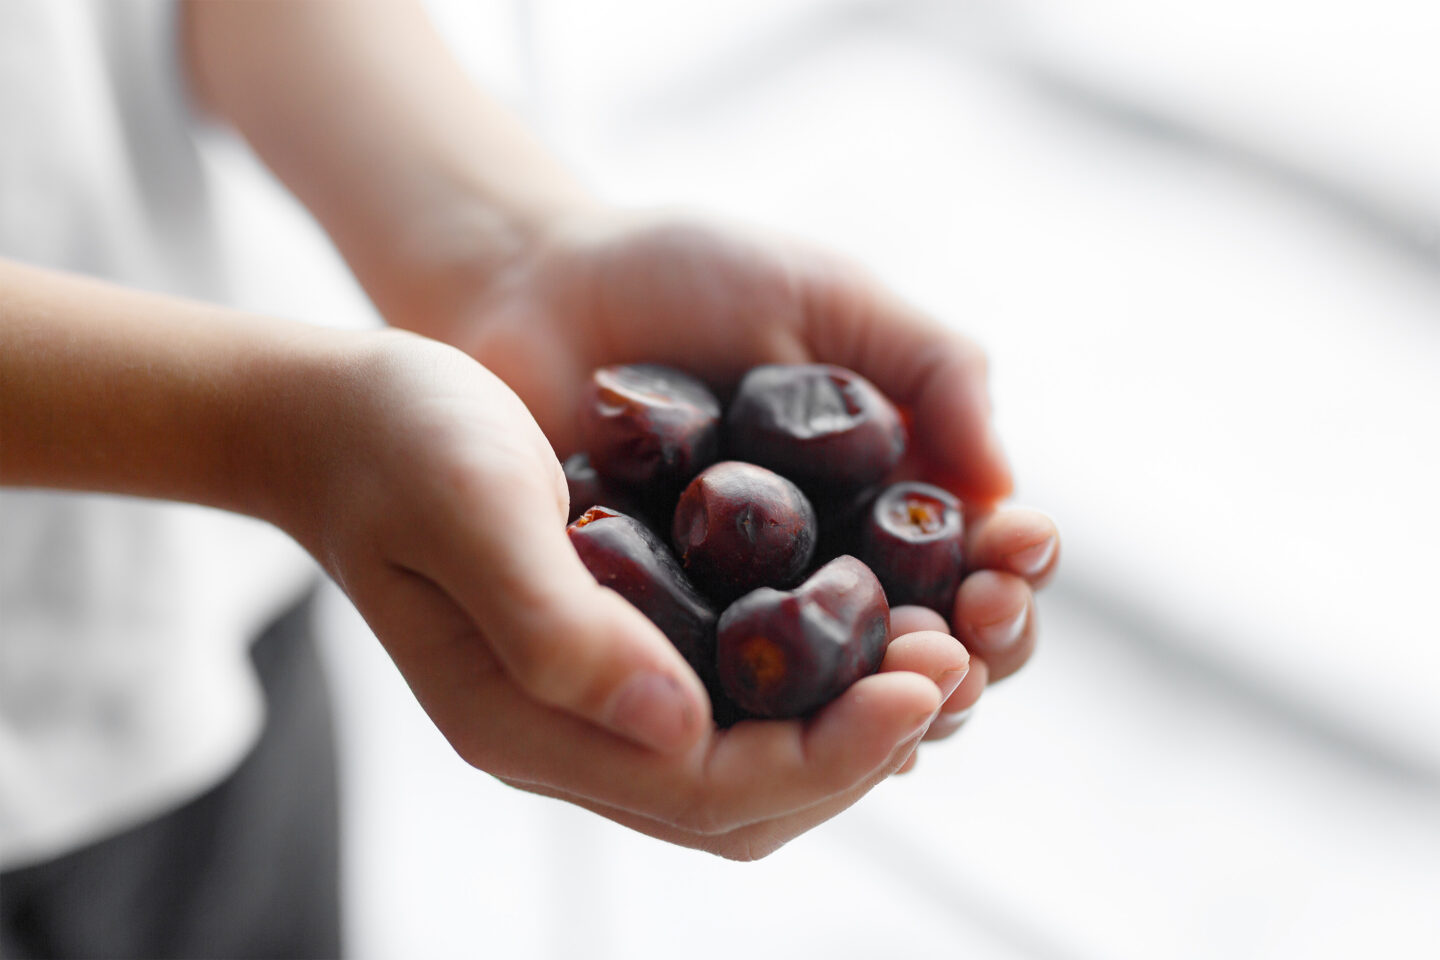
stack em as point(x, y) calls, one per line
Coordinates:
point(935, 655)
point(918, 651)
point(930, 653)
point(1016, 540)
point(959, 705)
point(841, 729)
point(564, 640)
point(911, 619)
point(763, 769)
point(759, 771)
point(752, 841)
point(781, 777)
point(471, 696)
point(940, 376)
point(956, 710)
point(995, 619)
point(994, 616)
point(761, 839)
point(755, 771)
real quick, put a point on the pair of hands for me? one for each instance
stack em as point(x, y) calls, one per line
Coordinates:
point(446, 528)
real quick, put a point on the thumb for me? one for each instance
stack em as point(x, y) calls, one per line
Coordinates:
point(562, 638)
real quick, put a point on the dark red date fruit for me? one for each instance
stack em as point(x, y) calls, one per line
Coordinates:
point(623, 554)
point(914, 540)
point(824, 427)
point(739, 526)
point(783, 653)
point(648, 424)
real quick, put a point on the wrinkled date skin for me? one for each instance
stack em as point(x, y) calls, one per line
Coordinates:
point(623, 554)
point(826, 428)
point(648, 424)
point(914, 540)
point(784, 653)
point(738, 527)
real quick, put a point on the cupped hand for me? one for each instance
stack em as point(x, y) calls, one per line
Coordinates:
point(434, 500)
point(715, 300)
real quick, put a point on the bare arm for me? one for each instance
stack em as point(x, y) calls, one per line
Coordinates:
point(423, 182)
point(110, 389)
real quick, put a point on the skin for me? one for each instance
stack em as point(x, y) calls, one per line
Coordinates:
point(405, 464)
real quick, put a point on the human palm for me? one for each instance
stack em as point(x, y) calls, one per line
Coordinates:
point(715, 301)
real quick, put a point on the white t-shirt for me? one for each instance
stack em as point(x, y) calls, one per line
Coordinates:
point(125, 684)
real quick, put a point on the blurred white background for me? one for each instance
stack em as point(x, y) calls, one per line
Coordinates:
point(1201, 243)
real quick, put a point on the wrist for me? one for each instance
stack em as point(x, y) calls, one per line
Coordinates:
point(302, 422)
point(449, 253)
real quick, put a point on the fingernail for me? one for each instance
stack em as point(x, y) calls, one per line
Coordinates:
point(999, 636)
point(1033, 559)
point(654, 711)
point(949, 681)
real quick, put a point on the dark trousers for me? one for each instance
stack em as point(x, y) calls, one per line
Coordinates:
point(248, 870)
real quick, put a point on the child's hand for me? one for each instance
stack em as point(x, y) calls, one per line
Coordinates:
point(434, 500)
point(715, 301)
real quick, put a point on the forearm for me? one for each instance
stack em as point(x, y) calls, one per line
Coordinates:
point(108, 389)
point(421, 181)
